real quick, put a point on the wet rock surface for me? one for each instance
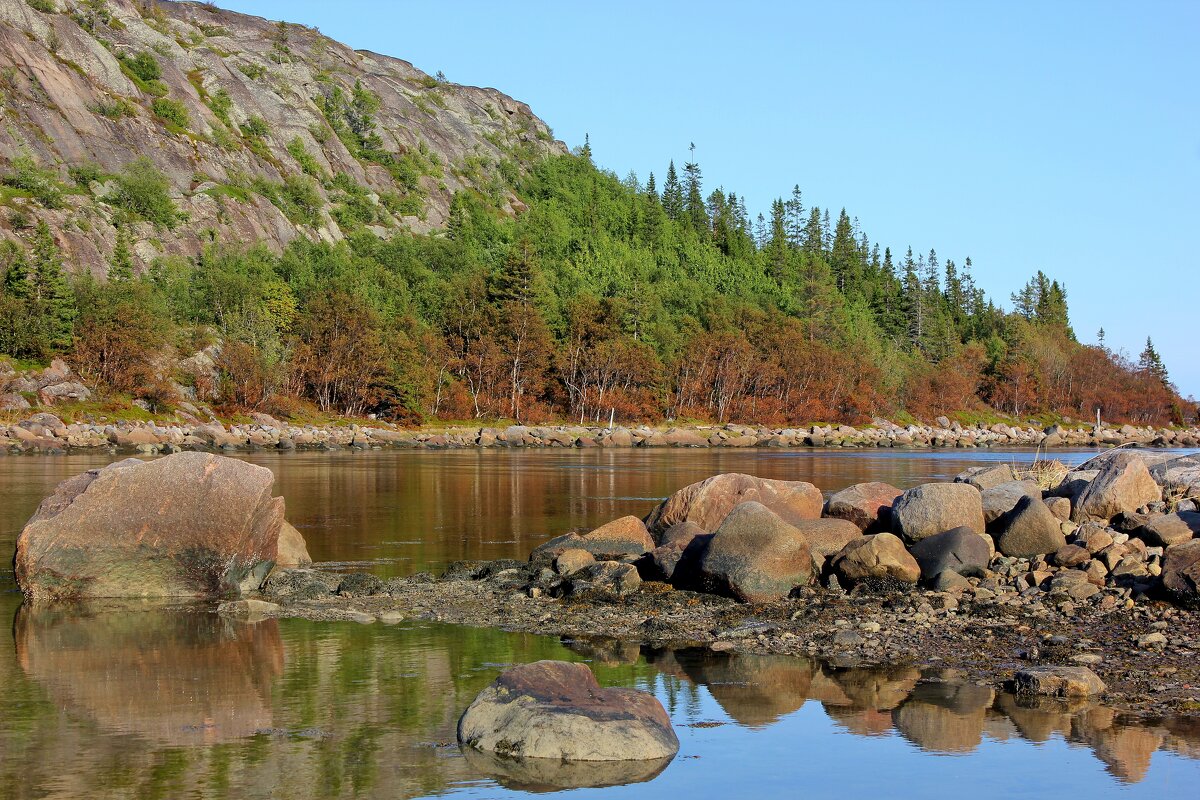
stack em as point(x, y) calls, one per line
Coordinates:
point(555, 711)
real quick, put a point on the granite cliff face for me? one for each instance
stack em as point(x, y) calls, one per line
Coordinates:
point(265, 131)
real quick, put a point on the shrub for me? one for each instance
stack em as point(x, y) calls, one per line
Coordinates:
point(171, 112)
point(143, 66)
point(305, 159)
point(145, 192)
point(115, 108)
point(45, 6)
point(83, 174)
point(41, 184)
point(256, 127)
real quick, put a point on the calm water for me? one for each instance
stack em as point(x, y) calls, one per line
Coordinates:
point(153, 703)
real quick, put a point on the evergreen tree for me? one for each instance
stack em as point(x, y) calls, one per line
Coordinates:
point(1151, 363)
point(844, 257)
point(814, 235)
point(693, 202)
point(18, 276)
point(52, 296)
point(794, 218)
point(672, 197)
point(121, 267)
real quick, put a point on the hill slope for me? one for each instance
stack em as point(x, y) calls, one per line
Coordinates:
point(233, 110)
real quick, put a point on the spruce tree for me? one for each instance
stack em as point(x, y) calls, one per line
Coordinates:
point(1151, 363)
point(121, 267)
point(672, 197)
point(693, 203)
point(53, 298)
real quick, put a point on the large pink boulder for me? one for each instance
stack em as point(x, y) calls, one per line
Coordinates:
point(867, 505)
point(708, 502)
point(188, 525)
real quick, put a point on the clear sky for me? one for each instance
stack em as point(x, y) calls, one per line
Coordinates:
point(1062, 136)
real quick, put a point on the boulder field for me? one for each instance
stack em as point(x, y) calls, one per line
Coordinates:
point(757, 540)
point(188, 525)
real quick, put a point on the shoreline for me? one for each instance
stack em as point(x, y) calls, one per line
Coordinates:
point(44, 433)
point(986, 639)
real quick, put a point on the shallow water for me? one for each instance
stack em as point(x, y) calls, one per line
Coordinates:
point(152, 703)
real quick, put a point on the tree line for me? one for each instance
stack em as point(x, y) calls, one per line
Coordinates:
point(602, 297)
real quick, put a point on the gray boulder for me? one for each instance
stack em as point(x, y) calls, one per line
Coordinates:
point(755, 556)
point(961, 550)
point(1122, 486)
point(934, 508)
point(1001, 499)
point(1030, 530)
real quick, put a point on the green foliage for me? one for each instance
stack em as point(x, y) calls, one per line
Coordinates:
point(253, 71)
point(41, 184)
point(256, 127)
point(298, 197)
point(115, 108)
point(172, 112)
point(84, 173)
point(305, 159)
point(145, 193)
point(45, 6)
point(143, 69)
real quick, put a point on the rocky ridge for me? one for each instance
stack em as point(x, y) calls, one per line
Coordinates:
point(240, 105)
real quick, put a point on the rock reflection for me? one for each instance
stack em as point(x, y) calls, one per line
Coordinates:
point(548, 775)
point(172, 676)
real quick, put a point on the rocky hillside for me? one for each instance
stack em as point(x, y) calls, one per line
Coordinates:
point(263, 131)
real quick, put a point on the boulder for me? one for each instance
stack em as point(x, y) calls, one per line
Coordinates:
point(293, 550)
point(1181, 573)
point(13, 402)
point(960, 550)
point(681, 533)
point(934, 508)
point(708, 502)
point(1122, 486)
point(618, 539)
point(1058, 682)
point(603, 580)
point(881, 555)
point(187, 525)
point(626, 536)
point(1030, 530)
point(867, 505)
point(983, 478)
point(755, 556)
point(568, 562)
point(1001, 499)
point(556, 710)
point(826, 537)
point(1168, 529)
point(67, 390)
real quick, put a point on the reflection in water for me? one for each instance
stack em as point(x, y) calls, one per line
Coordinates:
point(155, 703)
point(173, 677)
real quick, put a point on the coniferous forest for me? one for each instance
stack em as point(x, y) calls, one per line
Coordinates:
point(642, 300)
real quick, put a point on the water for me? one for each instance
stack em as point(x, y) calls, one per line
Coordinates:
point(154, 703)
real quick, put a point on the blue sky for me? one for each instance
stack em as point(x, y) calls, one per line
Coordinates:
point(1062, 136)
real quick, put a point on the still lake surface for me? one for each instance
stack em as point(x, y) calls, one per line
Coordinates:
point(153, 703)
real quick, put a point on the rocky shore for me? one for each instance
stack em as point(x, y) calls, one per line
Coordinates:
point(45, 433)
point(990, 575)
point(193, 426)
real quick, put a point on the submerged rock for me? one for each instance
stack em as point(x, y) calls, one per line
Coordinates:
point(1058, 682)
point(188, 525)
point(557, 710)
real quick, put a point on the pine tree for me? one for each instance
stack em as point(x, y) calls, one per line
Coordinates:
point(1100, 339)
point(814, 236)
point(121, 267)
point(672, 197)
